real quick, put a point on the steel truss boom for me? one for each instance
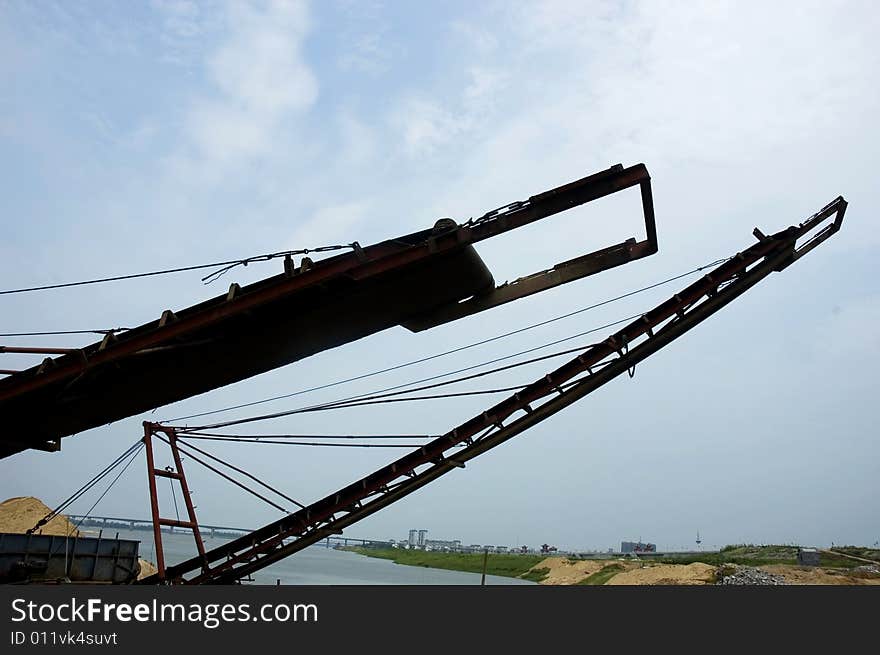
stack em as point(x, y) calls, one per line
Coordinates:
point(594, 367)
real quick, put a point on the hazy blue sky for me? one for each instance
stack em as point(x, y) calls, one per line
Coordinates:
point(136, 136)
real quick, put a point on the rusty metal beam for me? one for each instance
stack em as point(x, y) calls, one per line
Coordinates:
point(374, 260)
point(36, 351)
point(425, 277)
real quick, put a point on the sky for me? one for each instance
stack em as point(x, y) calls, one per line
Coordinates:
point(142, 136)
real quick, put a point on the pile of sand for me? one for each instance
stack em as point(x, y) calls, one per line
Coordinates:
point(18, 515)
point(566, 572)
point(147, 568)
point(667, 574)
point(563, 571)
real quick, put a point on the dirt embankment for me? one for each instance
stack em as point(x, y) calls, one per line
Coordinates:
point(18, 515)
point(563, 571)
point(667, 574)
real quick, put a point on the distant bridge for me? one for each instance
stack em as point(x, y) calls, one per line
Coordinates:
point(105, 522)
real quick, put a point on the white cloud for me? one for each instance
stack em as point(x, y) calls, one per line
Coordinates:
point(261, 82)
point(714, 82)
point(480, 39)
point(358, 140)
point(181, 18)
point(484, 84)
point(705, 95)
point(425, 125)
point(366, 53)
point(366, 38)
point(329, 225)
point(260, 67)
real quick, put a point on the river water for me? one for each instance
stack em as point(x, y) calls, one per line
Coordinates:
point(315, 565)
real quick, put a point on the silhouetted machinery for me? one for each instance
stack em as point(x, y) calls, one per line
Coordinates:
point(418, 281)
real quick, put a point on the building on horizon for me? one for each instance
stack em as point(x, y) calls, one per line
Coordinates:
point(443, 544)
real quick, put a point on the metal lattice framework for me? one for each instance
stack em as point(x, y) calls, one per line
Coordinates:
point(592, 368)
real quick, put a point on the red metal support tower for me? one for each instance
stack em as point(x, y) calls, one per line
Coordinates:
point(177, 474)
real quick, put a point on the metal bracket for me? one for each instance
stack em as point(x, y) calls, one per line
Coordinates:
point(541, 206)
